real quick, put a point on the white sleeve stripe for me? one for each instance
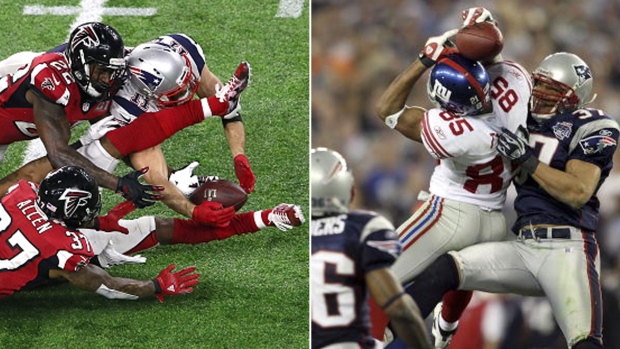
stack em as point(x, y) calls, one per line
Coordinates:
point(63, 256)
point(36, 70)
point(431, 140)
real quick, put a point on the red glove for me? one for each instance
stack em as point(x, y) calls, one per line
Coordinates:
point(109, 222)
point(435, 48)
point(244, 173)
point(213, 213)
point(167, 283)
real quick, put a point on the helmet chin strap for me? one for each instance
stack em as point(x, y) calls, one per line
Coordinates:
point(92, 91)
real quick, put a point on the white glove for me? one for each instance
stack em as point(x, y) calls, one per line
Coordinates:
point(185, 179)
point(476, 15)
point(99, 129)
point(435, 48)
point(110, 257)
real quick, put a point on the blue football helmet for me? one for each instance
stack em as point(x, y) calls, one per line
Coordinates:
point(459, 85)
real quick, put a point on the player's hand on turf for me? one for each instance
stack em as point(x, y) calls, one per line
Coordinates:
point(142, 195)
point(244, 173)
point(213, 213)
point(168, 283)
point(476, 15)
point(515, 148)
point(109, 222)
point(437, 47)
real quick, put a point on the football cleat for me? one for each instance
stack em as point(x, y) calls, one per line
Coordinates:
point(442, 337)
point(286, 216)
point(231, 91)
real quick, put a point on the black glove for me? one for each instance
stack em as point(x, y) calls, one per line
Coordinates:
point(141, 195)
point(516, 149)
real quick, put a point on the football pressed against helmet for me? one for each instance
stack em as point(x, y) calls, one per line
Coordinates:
point(562, 82)
point(459, 85)
point(162, 74)
point(69, 194)
point(96, 55)
point(331, 182)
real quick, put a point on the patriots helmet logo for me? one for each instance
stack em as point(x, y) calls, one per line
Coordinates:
point(85, 35)
point(150, 80)
point(583, 73)
point(74, 198)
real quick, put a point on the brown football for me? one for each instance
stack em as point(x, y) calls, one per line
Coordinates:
point(225, 192)
point(480, 41)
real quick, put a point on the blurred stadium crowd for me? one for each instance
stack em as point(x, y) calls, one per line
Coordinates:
point(358, 47)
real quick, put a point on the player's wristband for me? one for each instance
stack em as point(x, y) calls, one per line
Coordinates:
point(392, 120)
point(158, 289)
point(235, 119)
point(427, 62)
point(392, 300)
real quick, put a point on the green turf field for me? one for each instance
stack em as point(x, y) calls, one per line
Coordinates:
point(254, 288)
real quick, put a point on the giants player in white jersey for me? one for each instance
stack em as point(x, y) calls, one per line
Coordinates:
point(468, 186)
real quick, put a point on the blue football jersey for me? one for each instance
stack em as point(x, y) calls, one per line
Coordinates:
point(344, 248)
point(585, 134)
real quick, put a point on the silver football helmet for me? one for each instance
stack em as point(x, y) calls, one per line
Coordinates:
point(562, 82)
point(162, 74)
point(331, 182)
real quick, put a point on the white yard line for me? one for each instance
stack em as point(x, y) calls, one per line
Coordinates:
point(290, 8)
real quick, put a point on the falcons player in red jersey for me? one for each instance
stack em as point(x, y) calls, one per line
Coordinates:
point(39, 240)
point(51, 93)
point(164, 73)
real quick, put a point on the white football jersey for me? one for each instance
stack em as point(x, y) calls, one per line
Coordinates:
point(470, 169)
point(128, 103)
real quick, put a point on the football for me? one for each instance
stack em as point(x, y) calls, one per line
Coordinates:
point(479, 41)
point(225, 192)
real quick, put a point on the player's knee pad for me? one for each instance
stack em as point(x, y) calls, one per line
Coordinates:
point(99, 156)
point(588, 343)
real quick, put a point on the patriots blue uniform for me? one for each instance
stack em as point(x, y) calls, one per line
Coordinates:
point(344, 248)
point(585, 134)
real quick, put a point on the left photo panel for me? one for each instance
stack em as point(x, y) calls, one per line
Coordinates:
point(154, 170)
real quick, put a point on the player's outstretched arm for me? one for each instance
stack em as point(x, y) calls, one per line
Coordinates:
point(391, 108)
point(55, 132)
point(154, 159)
point(399, 306)
point(94, 279)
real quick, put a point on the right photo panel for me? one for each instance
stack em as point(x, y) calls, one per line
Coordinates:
point(462, 178)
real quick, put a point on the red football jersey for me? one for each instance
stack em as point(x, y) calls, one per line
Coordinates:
point(49, 76)
point(31, 245)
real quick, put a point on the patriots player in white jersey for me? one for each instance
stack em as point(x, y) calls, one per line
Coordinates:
point(468, 186)
point(566, 159)
point(351, 255)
